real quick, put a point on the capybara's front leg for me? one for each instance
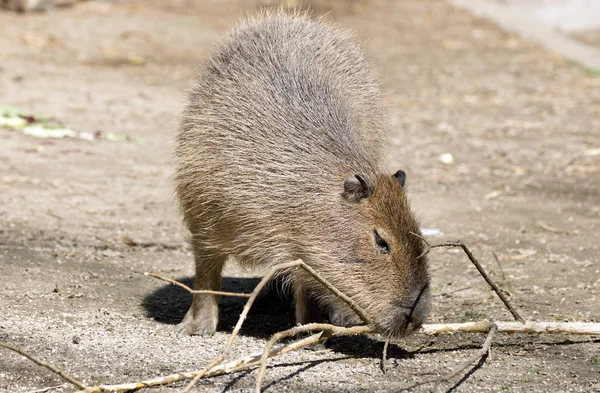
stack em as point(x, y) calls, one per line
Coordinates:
point(203, 316)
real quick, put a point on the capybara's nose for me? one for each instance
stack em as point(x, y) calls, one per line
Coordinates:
point(410, 316)
point(420, 308)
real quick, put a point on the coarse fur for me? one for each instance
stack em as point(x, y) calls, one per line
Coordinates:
point(285, 112)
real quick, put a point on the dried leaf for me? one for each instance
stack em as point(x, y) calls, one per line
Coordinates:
point(41, 131)
point(12, 122)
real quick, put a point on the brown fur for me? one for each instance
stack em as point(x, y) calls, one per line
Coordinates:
point(284, 111)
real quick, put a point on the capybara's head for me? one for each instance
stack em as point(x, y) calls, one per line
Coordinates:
point(381, 261)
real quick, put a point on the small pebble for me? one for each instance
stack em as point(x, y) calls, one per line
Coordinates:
point(446, 159)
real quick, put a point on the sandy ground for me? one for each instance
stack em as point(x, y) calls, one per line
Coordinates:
point(521, 124)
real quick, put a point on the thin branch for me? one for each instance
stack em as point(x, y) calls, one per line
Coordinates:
point(42, 390)
point(284, 266)
point(427, 245)
point(552, 229)
point(480, 356)
point(215, 367)
point(499, 265)
point(192, 291)
point(326, 329)
point(367, 320)
point(583, 328)
point(255, 358)
point(39, 362)
point(458, 243)
point(384, 356)
point(240, 364)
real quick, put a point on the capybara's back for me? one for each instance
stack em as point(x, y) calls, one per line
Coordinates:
point(278, 158)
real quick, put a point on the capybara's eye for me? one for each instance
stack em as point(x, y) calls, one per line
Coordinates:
point(383, 246)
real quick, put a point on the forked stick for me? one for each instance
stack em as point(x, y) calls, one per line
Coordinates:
point(215, 368)
point(327, 330)
point(196, 376)
point(295, 264)
point(243, 363)
point(474, 261)
point(481, 355)
point(254, 359)
point(459, 243)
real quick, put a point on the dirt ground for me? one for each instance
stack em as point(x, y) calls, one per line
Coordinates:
point(522, 125)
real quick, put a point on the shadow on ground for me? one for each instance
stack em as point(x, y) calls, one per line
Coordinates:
point(273, 311)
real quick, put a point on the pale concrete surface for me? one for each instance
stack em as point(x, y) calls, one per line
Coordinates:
point(568, 15)
point(545, 21)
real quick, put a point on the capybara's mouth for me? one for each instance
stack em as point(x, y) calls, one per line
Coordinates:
point(399, 322)
point(394, 327)
point(403, 329)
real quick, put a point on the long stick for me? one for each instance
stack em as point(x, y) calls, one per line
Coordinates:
point(584, 328)
point(383, 365)
point(479, 356)
point(39, 362)
point(459, 243)
point(193, 291)
point(255, 358)
point(229, 367)
point(325, 328)
point(284, 266)
point(46, 389)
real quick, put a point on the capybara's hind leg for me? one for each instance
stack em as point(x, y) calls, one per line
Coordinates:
point(203, 315)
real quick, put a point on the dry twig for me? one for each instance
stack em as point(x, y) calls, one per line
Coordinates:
point(480, 356)
point(583, 328)
point(459, 243)
point(274, 270)
point(192, 291)
point(326, 329)
point(384, 356)
point(216, 367)
point(39, 362)
point(552, 229)
point(499, 265)
point(42, 390)
point(243, 363)
point(255, 359)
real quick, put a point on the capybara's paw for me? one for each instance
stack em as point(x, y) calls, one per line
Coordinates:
point(340, 317)
point(198, 326)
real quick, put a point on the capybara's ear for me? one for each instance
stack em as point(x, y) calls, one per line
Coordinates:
point(356, 188)
point(400, 176)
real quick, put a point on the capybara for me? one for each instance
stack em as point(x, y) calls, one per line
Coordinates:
point(280, 156)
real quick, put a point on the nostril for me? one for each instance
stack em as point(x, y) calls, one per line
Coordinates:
point(405, 313)
point(409, 312)
point(415, 311)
